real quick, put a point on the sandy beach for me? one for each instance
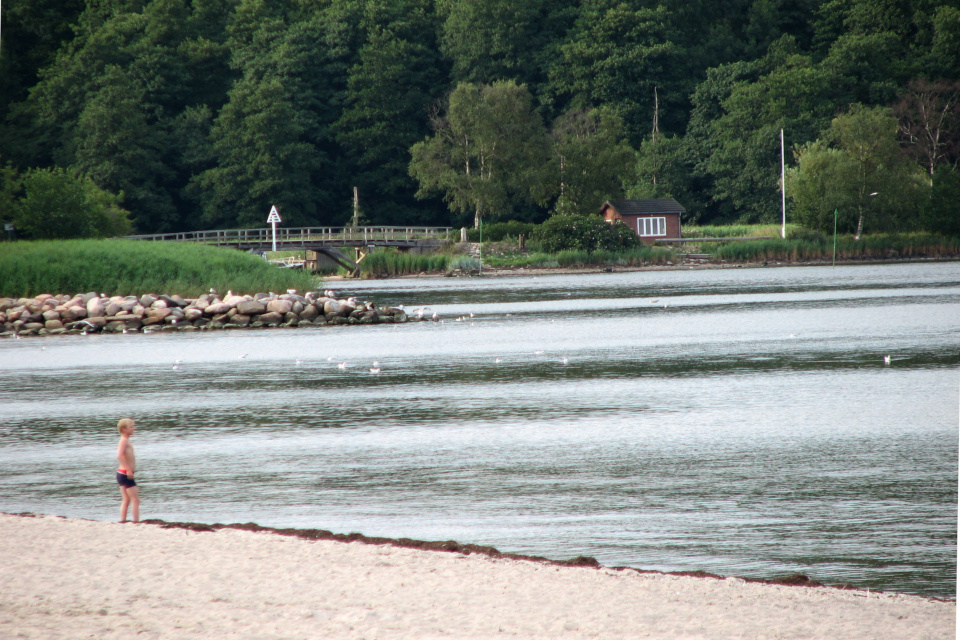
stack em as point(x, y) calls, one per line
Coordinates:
point(67, 578)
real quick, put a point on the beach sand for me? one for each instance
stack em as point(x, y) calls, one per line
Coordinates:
point(68, 578)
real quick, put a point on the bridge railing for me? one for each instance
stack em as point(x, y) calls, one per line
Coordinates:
point(348, 236)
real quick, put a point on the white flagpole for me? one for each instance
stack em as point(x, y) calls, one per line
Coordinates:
point(783, 188)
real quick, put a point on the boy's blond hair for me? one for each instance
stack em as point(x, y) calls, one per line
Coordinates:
point(123, 424)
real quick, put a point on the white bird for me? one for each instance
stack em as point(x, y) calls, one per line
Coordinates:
point(886, 360)
point(498, 360)
point(125, 331)
point(538, 353)
point(563, 360)
point(330, 293)
point(435, 316)
point(177, 361)
point(242, 356)
point(376, 364)
point(375, 370)
point(291, 291)
point(299, 362)
point(176, 367)
point(212, 290)
point(342, 365)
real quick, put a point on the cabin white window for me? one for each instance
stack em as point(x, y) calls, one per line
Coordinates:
point(652, 226)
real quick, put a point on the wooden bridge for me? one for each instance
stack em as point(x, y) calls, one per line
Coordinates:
point(316, 240)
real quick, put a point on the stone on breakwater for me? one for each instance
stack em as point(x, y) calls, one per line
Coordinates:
point(251, 307)
point(49, 314)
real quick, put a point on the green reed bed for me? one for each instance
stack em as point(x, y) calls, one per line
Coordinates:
point(391, 262)
point(880, 246)
point(736, 230)
point(129, 267)
point(577, 259)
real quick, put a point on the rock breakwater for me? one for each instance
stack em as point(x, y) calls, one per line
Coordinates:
point(49, 314)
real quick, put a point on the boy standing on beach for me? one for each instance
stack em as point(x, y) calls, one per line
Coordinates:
point(128, 466)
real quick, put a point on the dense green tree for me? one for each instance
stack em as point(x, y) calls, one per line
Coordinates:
point(397, 76)
point(109, 103)
point(593, 159)
point(941, 212)
point(490, 40)
point(858, 170)
point(61, 204)
point(618, 54)
point(272, 141)
point(489, 150)
point(9, 191)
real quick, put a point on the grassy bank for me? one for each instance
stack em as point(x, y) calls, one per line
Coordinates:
point(125, 267)
point(632, 258)
point(880, 246)
point(737, 231)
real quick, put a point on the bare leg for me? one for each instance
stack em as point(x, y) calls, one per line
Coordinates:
point(124, 503)
point(134, 495)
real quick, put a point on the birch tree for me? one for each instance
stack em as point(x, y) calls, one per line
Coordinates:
point(489, 150)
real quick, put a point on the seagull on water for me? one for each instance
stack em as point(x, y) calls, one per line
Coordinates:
point(342, 365)
point(886, 360)
point(375, 370)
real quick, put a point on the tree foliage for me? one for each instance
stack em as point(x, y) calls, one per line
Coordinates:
point(489, 150)
point(858, 170)
point(592, 158)
point(206, 112)
point(60, 204)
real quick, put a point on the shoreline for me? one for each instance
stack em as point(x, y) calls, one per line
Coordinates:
point(466, 549)
point(694, 265)
point(69, 578)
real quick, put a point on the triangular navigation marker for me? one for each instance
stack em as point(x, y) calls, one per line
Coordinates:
point(274, 216)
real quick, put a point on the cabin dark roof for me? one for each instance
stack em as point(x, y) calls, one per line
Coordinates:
point(647, 206)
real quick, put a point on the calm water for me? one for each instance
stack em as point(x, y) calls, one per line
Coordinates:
point(740, 422)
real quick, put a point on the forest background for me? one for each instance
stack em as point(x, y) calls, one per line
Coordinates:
point(178, 115)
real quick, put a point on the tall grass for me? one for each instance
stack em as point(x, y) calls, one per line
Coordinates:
point(572, 258)
point(391, 262)
point(879, 246)
point(125, 267)
point(736, 230)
